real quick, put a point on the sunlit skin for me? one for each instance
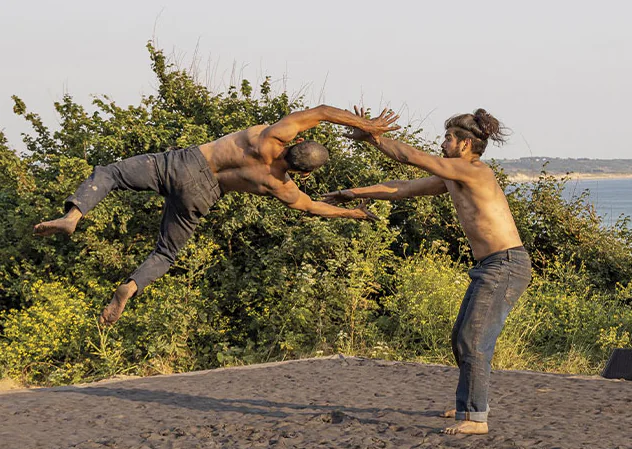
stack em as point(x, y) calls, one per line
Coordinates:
point(467, 427)
point(253, 161)
point(64, 225)
point(480, 203)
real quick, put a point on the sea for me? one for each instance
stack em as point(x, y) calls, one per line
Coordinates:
point(612, 197)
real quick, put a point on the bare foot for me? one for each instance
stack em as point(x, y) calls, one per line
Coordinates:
point(467, 427)
point(59, 226)
point(64, 225)
point(113, 311)
point(448, 414)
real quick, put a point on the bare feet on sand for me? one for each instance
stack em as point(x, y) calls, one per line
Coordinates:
point(467, 427)
point(113, 311)
point(64, 225)
point(448, 414)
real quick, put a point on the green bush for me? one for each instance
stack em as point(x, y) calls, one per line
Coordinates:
point(428, 288)
point(46, 342)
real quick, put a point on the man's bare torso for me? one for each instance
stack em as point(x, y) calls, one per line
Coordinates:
point(240, 164)
point(484, 213)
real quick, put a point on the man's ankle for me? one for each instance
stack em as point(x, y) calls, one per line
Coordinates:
point(130, 286)
point(73, 214)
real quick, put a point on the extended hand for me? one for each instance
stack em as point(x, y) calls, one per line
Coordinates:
point(383, 123)
point(368, 214)
point(338, 197)
point(375, 127)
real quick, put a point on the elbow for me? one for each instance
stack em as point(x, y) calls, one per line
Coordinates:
point(319, 113)
point(299, 207)
point(404, 159)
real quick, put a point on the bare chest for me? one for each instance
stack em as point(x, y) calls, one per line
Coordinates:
point(462, 201)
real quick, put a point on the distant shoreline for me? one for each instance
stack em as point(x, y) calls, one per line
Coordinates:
point(523, 177)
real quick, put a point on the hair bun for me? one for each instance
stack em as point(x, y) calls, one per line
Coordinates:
point(481, 126)
point(485, 121)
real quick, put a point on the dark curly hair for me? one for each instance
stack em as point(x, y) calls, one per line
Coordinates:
point(479, 127)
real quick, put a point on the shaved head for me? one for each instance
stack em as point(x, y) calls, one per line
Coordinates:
point(306, 156)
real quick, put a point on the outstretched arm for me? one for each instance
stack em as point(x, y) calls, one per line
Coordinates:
point(290, 195)
point(390, 190)
point(289, 126)
point(453, 168)
point(447, 168)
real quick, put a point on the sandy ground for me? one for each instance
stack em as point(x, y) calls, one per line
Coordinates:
point(322, 403)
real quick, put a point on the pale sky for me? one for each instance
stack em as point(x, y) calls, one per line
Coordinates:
point(558, 73)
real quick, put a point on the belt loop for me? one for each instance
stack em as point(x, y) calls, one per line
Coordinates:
point(509, 255)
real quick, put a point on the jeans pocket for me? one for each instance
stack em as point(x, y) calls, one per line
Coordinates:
point(494, 273)
point(191, 200)
point(184, 178)
point(517, 283)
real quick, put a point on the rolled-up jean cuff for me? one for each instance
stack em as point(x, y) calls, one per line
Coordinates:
point(70, 202)
point(472, 416)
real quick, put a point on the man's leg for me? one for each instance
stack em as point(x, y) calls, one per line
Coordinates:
point(497, 286)
point(175, 230)
point(458, 323)
point(451, 413)
point(136, 173)
point(474, 368)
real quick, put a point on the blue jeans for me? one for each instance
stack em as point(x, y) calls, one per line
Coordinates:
point(498, 280)
point(182, 176)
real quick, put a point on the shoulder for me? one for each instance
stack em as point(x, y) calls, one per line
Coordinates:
point(482, 168)
point(254, 132)
point(481, 176)
point(258, 128)
point(474, 173)
point(265, 144)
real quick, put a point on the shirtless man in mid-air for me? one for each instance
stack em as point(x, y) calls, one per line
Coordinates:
point(256, 160)
point(503, 268)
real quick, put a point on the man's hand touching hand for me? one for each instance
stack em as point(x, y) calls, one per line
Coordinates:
point(338, 197)
point(343, 196)
point(375, 127)
point(368, 215)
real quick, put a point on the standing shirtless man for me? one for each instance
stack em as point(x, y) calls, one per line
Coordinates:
point(256, 160)
point(503, 268)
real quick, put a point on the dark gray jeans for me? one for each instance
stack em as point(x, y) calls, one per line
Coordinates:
point(498, 280)
point(183, 177)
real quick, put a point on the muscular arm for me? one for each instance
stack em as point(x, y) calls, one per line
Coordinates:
point(396, 190)
point(447, 168)
point(290, 195)
point(391, 190)
point(288, 127)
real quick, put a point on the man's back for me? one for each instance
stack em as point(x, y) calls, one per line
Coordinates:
point(239, 164)
point(252, 160)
